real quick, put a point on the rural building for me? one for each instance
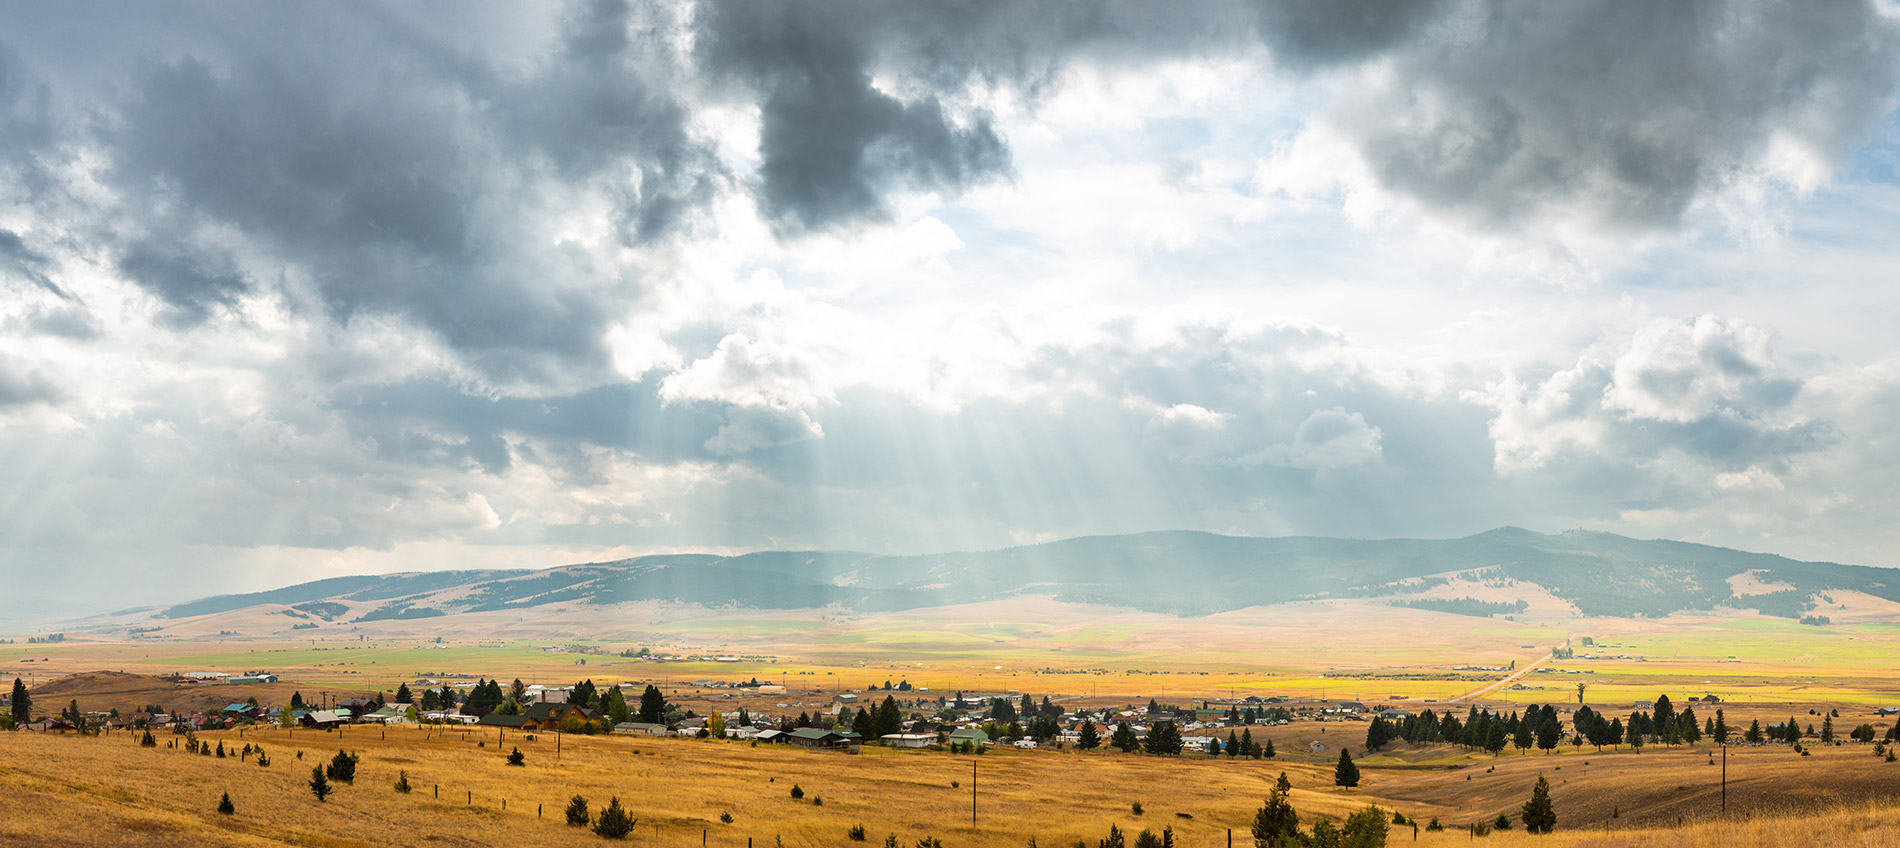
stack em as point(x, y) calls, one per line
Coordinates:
point(324, 718)
point(260, 677)
point(823, 740)
point(970, 736)
point(547, 715)
point(908, 740)
point(640, 728)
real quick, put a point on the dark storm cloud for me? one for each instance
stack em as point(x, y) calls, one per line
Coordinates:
point(192, 283)
point(1621, 114)
point(18, 260)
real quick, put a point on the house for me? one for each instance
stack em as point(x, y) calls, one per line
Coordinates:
point(549, 715)
point(742, 732)
point(970, 735)
point(1888, 711)
point(640, 728)
point(356, 706)
point(1027, 744)
point(390, 714)
point(517, 721)
point(769, 735)
point(324, 718)
point(52, 725)
point(1643, 705)
point(908, 740)
point(240, 712)
point(823, 740)
point(260, 677)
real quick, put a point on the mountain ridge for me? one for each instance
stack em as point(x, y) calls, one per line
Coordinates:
point(1179, 572)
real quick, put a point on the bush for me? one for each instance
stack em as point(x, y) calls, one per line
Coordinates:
point(516, 759)
point(1433, 826)
point(726, 817)
point(614, 822)
point(225, 806)
point(1480, 829)
point(1136, 807)
point(147, 741)
point(817, 800)
point(797, 793)
point(263, 759)
point(402, 782)
point(856, 833)
point(342, 767)
point(1502, 822)
point(577, 814)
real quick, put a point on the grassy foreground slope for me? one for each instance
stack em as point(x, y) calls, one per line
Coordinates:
point(108, 791)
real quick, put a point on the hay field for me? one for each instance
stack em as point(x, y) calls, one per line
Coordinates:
point(108, 791)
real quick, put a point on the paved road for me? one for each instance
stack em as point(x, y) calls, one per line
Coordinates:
point(1505, 682)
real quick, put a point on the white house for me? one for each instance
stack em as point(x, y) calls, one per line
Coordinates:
point(908, 740)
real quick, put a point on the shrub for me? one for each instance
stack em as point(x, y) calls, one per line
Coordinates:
point(263, 759)
point(930, 842)
point(1480, 829)
point(1136, 807)
point(342, 767)
point(516, 759)
point(614, 822)
point(225, 806)
point(817, 800)
point(147, 741)
point(856, 833)
point(402, 782)
point(1147, 839)
point(1433, 826)
point(1502, 822)
point(577, 814)
point(726, 817)
point(797, 793)
point(1367, 827)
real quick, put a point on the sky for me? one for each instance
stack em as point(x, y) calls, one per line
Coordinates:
point(291, 291)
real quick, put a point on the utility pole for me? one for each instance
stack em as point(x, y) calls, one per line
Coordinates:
point(973, 786)
point(1724, 775)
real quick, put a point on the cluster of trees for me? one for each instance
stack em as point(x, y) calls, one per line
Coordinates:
point(1256, 715)
point(1465, 606)
point(1277, 825)
point(1243, 746)
point(902, 686)
point(874, 722)
point(1540, 727)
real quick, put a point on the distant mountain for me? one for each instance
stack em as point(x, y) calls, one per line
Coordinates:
point(1181, 573)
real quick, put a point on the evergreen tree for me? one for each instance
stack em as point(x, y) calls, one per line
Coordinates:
point(577, 814)
point(652, 705)
point(889, 719)
point(1268, 750)
point(584, 694)
point(225, 806)
point(319, 784)
point(1365, 828)
point(1247, 747)
point(1538, 815)
point(1088, 739)
point(614, 822)
point(1547, 732)
point(518, 691)
point(1521, 735)
point(1615, 736)
point(342, 767)
point(1233, 745)
point(147, 741)
point(296, 700)
point(1827, 730)
point(1163, 738)
point(1687, 727)
point(1494, 740)
point(1276, 824)
point(864, 725)
point(516, 759)
point(1345, 773)
point(402, 782)
point(614, 706)
point(1720, 730)
point(1753, 734)
point(402, 694)
point(1124, 738)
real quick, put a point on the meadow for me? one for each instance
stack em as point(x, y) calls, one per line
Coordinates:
point(108, 791)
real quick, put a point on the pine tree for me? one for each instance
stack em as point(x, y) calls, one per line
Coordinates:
point(1721, 731)
point(1233, 745)
point(1088, 739)
point(402, 782)
point(1547, 731)
point(1538, 815)
point(577, 814)
point(1124, 738)
point(1345, 773)
point(402, 694)
point(296, 700)
point(1268, 750)
point(1282, 785)
point(1753, 734)
point(225, 806)
point(652, 705)
point(614, 706)
point(1827, 730)
point(1521, 734)
point(147, 741)
point(1276, 823)
point(516, 759)
point(319, 784)
point(889, 719)
point(614, 822)
point(342, 767)
point(1247, 747)
point(22, 703)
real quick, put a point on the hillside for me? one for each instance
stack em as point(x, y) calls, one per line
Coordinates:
point(1177, 573)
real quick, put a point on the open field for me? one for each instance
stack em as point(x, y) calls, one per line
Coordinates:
point(108, 791)
point(1370, 652)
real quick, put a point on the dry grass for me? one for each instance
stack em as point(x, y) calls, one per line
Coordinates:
point(107, 791)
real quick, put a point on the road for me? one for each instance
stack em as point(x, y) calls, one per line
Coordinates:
point(1504, 682)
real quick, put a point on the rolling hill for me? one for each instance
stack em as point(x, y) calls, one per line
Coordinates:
point(1178, 573)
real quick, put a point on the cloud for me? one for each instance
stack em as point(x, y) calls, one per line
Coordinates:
point(766, 389)
point(26, 263)
point(1329, 438)
point(1707, 388)
point(1610, 115)
point(23, 385)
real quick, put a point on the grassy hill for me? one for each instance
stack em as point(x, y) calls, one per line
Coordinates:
point(1180, 573)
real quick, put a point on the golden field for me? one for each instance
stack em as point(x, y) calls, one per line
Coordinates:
point(108, 791)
